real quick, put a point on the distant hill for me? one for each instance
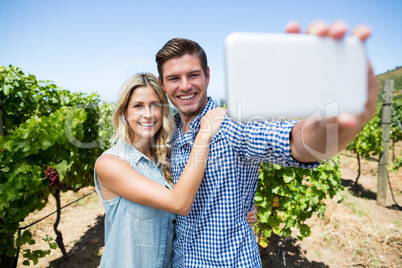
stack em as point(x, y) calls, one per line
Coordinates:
point(396, 75)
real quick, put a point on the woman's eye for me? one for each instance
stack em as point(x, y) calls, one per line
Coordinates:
point(137, 106)
point(156, 105)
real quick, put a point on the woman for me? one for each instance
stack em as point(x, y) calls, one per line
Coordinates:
point(140, 203)
point(133, 177)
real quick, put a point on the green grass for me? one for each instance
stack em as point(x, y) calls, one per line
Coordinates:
point(395, 74)
point(374, 261)
point(357, 210)
point(327, 238)
point(398, 222)
point(354, 206)
point(317, 253)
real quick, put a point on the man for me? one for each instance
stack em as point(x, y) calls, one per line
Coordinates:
point(215, 233)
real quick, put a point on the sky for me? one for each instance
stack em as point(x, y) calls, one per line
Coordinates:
point(94, 46)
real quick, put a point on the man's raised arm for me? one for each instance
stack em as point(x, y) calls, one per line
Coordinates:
point(311, 141)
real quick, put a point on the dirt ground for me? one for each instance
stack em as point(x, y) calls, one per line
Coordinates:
point(354, 233)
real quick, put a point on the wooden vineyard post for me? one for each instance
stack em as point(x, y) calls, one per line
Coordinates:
point(386, 114)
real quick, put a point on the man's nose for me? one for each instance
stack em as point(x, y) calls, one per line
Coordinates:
point(185, 84)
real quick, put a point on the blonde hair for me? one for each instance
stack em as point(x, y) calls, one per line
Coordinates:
point(160, 146)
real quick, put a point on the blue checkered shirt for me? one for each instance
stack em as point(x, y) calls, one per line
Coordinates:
point(215, 233)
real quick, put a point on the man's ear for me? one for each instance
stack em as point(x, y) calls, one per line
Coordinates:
point(207, 76)
point(161, 83)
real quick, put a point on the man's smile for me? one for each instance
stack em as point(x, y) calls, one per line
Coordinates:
point(187, 97)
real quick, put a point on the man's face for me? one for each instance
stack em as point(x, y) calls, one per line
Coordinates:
point(185, 83)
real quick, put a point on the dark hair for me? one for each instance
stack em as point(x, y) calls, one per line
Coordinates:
point(178, 47)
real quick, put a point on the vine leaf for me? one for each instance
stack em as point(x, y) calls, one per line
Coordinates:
point(62, 169)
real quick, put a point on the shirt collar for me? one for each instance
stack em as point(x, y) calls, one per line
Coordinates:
point(195, 124)
point(135, 155)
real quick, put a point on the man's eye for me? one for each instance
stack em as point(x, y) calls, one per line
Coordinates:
point(194, 75)
point(173, 79)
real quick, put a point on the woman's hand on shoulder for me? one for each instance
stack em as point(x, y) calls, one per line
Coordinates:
point(211, 121)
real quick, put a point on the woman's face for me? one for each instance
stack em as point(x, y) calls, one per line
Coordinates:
point(144, 114)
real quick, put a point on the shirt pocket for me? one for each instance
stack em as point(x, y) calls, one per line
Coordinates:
point(142, 212)
point(218, 137)
point(218, 149)
point(220, 160)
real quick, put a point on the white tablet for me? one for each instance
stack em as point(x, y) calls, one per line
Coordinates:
point(294, 76)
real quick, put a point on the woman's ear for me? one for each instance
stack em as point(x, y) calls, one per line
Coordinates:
point(125, 115)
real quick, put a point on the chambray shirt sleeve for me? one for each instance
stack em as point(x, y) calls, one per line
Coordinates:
point(263, 141)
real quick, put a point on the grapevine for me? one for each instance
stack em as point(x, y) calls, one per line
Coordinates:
point(396, 129)
point(43, 119)
point(286, 197)
point(368, 143)
point(53, 177)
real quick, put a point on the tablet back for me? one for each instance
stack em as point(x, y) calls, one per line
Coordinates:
point(286, 76)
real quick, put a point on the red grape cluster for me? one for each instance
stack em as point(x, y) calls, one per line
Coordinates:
point(53, 177)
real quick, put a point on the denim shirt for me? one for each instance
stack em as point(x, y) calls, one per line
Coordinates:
point(136, 235)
